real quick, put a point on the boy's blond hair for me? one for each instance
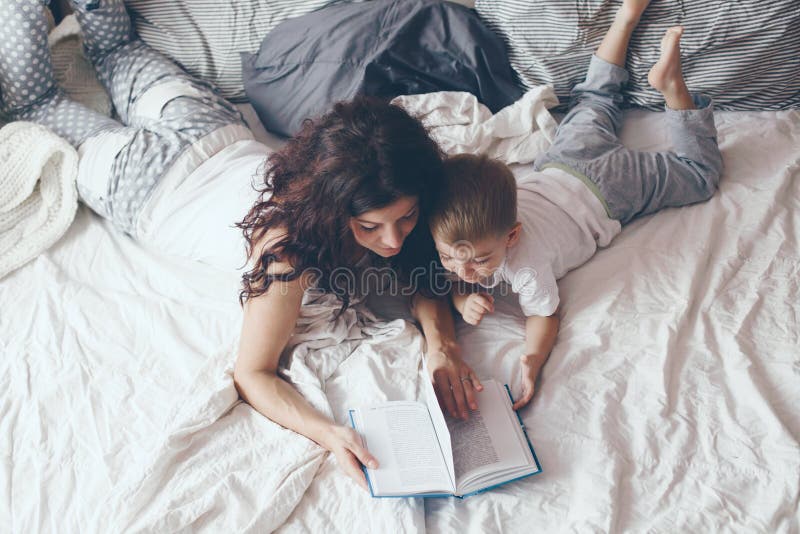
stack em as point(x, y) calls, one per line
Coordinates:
point(478, 200)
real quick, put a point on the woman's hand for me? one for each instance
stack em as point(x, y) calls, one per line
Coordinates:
point(476, 306)
point(454, 381)
point(345, 444)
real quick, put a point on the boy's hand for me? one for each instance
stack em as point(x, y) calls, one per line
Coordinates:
point(531, 364)
point(476, 306)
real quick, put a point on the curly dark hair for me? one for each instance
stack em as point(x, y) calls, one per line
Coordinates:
point(362, 155)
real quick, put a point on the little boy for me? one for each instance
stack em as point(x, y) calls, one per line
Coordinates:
point(490, 228)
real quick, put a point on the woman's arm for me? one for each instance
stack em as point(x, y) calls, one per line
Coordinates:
point(454, 381)
point(459, 296)
point(269, 321)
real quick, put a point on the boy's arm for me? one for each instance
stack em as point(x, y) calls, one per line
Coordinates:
point(540, 336)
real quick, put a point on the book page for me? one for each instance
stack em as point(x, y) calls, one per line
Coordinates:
point(439, 423)
point(472, 445)
point(488, 441)
point(401, 436)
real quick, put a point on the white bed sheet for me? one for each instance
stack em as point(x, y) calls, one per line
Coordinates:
point(669, 403)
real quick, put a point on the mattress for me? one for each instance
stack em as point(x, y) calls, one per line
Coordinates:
point(669, 401)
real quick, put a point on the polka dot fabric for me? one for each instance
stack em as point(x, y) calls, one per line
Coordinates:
point(27, 86)
point(105, 26)
point(25, 67)
point(128, 69)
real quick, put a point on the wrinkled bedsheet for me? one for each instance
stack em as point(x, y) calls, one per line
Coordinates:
point(670, 402)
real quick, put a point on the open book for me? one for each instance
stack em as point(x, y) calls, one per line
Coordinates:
point(424, 453)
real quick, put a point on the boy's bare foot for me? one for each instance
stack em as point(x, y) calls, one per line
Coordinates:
point(667, 70)
point(667, 76)
point(614, 47)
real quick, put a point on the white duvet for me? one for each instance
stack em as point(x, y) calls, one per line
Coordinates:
point(670, 402)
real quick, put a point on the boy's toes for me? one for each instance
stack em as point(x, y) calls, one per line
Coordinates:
point(671, 39)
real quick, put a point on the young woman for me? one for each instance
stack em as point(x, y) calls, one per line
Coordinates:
point(352, 188)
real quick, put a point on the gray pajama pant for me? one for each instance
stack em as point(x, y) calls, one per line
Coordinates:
point(163, 112)
point(631, 183)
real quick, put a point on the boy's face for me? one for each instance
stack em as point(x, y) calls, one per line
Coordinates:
point(475, 262)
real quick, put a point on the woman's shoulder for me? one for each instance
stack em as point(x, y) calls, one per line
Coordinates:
point(270, 242)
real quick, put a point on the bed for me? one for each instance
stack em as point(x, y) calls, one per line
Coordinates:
point(670, 402)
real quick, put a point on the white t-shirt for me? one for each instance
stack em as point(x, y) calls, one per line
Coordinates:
point(563, 223)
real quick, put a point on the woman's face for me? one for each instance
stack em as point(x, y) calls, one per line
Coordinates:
point(383, 230)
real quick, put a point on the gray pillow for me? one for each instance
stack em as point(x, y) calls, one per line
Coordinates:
point(205, 37)
point(383, 48)
point(746, 54)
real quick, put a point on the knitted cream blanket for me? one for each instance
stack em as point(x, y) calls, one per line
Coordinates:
point(38, 197)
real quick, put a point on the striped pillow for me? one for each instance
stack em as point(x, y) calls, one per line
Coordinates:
point(206, 36)
point(746, 54)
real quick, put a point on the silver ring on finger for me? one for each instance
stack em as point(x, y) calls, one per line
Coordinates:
point(466, 379)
